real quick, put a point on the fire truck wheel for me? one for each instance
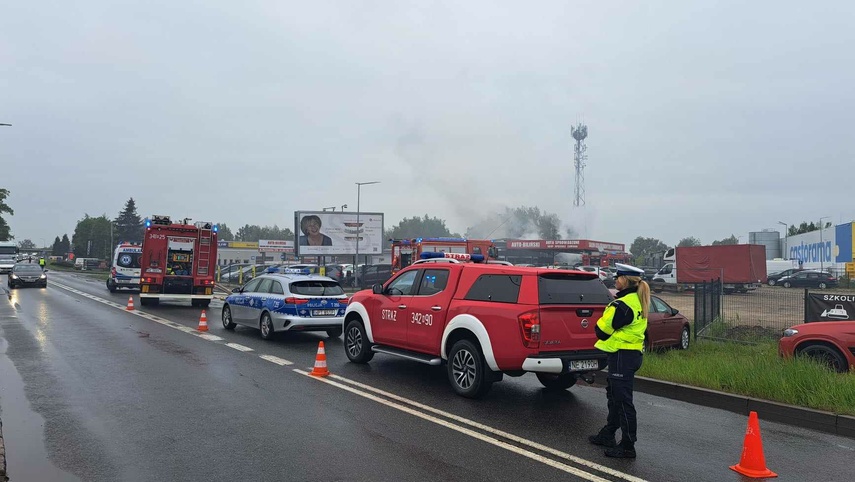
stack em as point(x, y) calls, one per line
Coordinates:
point(227, 319)
point(553, 381)
point(266, 326)
point(467, 370)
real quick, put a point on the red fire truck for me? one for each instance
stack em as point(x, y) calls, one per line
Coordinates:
point(177, 261)
point(406, 251)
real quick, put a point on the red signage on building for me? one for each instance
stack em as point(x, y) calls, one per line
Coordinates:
point(565, 244)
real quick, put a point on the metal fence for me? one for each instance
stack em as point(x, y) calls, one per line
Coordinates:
point(757, 316)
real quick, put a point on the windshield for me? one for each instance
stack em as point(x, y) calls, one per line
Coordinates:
point(316, 288)
point(27, 268)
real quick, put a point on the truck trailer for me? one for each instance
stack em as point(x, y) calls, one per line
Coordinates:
point(740, 267)
point(178, 261)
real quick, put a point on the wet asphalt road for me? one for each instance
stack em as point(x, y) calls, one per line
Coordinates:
point(90, 392)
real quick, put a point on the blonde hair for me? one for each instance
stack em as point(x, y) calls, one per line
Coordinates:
point(643, 293)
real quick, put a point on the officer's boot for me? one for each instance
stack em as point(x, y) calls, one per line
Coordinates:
point(624, 450)
point(605, 437)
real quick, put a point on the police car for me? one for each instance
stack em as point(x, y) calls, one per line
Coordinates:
point(287, 300)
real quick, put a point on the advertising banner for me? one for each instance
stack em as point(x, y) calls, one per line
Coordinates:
point(564, 244)
point(829, 307)
point(275, 246)
point(331, 233)
point(243, 244)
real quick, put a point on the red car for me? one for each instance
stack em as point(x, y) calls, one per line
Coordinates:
point(830, 342)
point(666, 327)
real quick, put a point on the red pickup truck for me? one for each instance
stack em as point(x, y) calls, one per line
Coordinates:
point(482, 321)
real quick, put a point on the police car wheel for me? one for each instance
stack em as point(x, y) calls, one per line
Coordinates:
point(557, 381)
point(334, 332)
point(356, 344)
point(467, 370)
point(266, 326)
point(227, 319)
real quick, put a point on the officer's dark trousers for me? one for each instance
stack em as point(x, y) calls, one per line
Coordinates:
point(622, 367)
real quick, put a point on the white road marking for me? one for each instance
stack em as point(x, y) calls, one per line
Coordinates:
point(494, 431)
point(484, 438)
point(276, 360)
point(239, 347)
point(403, 408)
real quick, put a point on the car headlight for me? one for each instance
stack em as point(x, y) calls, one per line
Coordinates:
point(43, 276)
point(13, 276)
point(791, 332)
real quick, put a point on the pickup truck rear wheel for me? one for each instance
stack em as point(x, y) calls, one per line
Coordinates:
point(557, 381)
point(356, 344)
point(467, 370)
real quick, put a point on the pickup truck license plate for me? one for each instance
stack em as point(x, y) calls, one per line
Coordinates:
point(324, 312)
point(579, 365)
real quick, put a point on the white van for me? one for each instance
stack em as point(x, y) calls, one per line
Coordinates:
point(125, 271)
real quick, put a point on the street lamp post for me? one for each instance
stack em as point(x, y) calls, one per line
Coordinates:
point(786, 239)
point(359, 227)
point(821, 244)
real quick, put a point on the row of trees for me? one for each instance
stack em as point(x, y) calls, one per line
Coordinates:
point(5, 232)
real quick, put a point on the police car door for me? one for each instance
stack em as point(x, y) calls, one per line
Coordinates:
point(240, 305)
point(258, 301)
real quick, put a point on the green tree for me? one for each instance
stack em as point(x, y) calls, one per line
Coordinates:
point(26, 244)
point(254, 233)
point(224, 233)
point(91, 237)
point(805, 227)
point(5, 232)
point(731, 240)
point(644, 246)
point(65, 245)
point(416, 227)
point(56, 249)
point(129, 225)
point(690, 241)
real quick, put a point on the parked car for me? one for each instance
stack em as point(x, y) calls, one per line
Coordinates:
point(371, 274)
point(774, 278)
point(666, 327)
point(605, 276)
point(287, 302)
point(809, 279)
point(831, 343)
point(27, 274)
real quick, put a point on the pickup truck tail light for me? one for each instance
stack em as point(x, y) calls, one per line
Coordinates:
point(530, 329)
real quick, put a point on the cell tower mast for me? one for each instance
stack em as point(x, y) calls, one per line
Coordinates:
point(580, 132)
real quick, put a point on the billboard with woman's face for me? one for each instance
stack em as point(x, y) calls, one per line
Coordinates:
point(329, 233)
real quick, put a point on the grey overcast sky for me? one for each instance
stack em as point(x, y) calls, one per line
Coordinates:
point(705, 118)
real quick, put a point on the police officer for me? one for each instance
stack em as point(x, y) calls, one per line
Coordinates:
point(621, 334)
point(42, 262)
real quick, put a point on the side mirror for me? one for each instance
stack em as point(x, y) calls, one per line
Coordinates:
point(47, 270)
point(674, 311)
point(235, 290)
point(377, 289)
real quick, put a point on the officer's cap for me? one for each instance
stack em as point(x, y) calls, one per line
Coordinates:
point(627, 270)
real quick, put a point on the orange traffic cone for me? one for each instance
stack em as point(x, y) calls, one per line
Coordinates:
point(203, 322)
point(130, 304)
point(753, 463)
point(320, 369)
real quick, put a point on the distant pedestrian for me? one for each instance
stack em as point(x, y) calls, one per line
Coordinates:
point(621, 334)
point(42, 262)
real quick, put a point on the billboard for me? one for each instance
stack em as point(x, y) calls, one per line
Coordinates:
point(330, 233)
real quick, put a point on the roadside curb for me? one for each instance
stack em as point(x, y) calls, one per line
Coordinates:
point(3, 477)
point(828, 422)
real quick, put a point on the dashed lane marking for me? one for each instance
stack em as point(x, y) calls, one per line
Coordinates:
point(239, 347)
point(276, 360)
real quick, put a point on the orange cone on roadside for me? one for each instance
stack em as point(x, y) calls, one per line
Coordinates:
point(203, 322)
point(320, 369)
point(753, 462)
point(130, 304)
